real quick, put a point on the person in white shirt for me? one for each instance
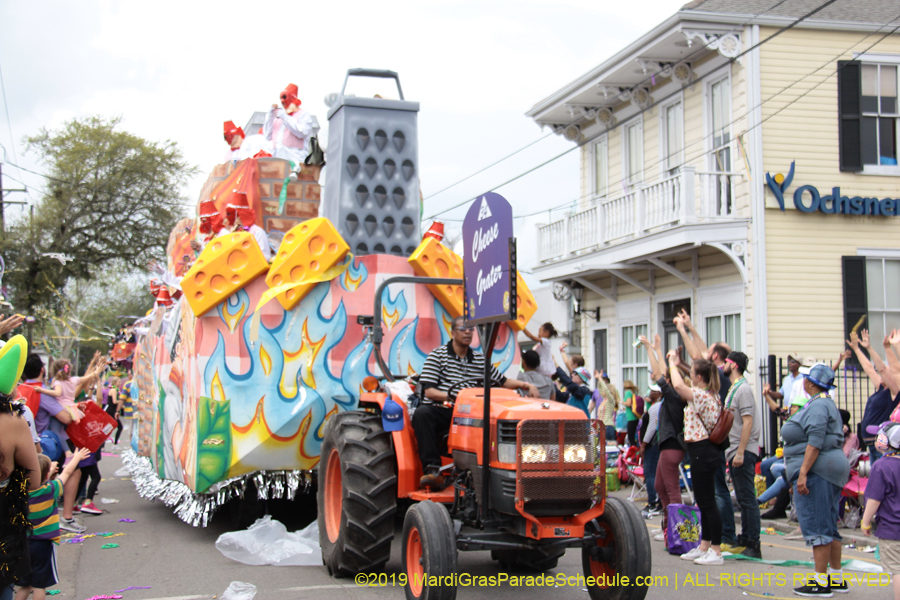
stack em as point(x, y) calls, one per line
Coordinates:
point(236, 215)
point(234, 137)
point(288, 128)
point(542, 347)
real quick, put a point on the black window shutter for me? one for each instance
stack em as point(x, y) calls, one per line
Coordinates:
point(849, 76)
point(856, 303)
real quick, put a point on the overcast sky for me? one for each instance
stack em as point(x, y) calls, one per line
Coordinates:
point(177, 70)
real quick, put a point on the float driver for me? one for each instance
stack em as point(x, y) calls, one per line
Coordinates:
point(444, 367)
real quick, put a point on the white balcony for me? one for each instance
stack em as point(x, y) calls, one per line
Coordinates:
point(686, 198)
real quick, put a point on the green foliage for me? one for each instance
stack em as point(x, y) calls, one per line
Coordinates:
point(112, 200)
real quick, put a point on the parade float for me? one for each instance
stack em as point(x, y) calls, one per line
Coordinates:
point(242, 361)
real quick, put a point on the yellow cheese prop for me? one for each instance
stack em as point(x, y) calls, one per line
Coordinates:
point(307, 250)
point(433, 259)
point(227, 264)
point(525, 304)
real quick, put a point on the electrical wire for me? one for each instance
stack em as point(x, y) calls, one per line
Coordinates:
point(742, 116)
point(651, 78)
point(12, 136)
point(650, 107)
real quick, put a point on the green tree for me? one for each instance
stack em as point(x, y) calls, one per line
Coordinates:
point(112, 199)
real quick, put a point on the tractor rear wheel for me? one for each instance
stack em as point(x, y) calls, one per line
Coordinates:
point(357, 495)
point(625, 551)
point(537, 560)
point(429, 550)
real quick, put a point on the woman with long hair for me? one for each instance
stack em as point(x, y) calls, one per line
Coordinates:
point(701, 412)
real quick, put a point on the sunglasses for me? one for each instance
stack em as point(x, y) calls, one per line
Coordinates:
point(466, 329)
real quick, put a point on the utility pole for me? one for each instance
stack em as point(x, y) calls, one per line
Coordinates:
point(3, 201)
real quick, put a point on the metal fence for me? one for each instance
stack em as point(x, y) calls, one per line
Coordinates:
point(852, 393)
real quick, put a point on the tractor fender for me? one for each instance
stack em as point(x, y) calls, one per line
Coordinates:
point(409, 467)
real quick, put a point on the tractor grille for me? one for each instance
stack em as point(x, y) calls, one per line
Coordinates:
point(506, 432)
point(560, 461)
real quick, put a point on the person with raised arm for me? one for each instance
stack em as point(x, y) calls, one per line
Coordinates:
point(700, 416)
point(882, 403)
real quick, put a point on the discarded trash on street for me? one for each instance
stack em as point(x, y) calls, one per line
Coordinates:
point(238, 590)
point(268, 542)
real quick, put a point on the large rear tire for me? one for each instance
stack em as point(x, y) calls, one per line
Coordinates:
point(429, 550)
point(624, 551)
point(357, 495)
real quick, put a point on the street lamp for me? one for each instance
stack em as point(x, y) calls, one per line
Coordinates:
point(578, 294)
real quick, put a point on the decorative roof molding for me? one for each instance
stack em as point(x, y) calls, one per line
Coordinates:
point(728, 45)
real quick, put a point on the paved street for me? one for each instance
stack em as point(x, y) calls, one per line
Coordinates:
point(179, 561)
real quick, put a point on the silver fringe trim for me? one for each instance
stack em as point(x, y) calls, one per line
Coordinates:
point(197, 509)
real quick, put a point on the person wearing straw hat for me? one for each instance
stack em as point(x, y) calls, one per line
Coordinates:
point(818, 470)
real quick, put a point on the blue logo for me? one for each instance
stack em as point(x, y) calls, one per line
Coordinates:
point(808, 200)
point(779, 184)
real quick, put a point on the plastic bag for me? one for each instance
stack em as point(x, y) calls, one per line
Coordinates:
point(238, 590)
point(123, 472)
point(682, 528)
point(268, 542)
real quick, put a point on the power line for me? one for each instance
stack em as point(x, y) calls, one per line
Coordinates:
point(651, 78)
point(742, 116)
point(650, 107)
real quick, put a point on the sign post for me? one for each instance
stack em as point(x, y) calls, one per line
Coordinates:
point(489, 273)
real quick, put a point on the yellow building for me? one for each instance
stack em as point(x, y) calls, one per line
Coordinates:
point(679, 133)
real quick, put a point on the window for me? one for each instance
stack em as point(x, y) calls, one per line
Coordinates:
point(868, 117)
point(635, 365)
point(673, 141)
point(879, 115)
point(634, 152)
point(883, 294)
point(671, 338)
point(720, 144)
point(600, 350)
point(601, 167)
point(725, 328)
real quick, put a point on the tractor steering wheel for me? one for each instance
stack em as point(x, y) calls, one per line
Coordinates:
point(461, 384)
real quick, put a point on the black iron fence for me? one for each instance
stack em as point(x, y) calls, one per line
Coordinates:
point(852, 392)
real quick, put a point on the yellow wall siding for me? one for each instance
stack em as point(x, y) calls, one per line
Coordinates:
point(803, 251)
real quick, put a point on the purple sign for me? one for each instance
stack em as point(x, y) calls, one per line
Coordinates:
point(489, 267)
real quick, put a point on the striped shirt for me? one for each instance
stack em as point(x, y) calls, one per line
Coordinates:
point(43, 511)
point(444, 367)
point(649, 436)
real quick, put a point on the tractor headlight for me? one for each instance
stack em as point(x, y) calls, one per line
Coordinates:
point(534, 453)
point(575, 453)
point(506, 453)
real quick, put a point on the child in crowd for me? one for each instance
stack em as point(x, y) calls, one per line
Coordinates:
point(44, 515)
point(542, 347)
point(883, 499)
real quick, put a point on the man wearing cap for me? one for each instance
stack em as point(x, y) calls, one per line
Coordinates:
point(787, 384)
point(818, 469)
point(289, 127)
point(445, 368)
point(743, 453)
point(531, 362)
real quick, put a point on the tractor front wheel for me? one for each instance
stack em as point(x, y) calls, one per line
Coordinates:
point(357, 495)
point(623, 548)
point(429, 552)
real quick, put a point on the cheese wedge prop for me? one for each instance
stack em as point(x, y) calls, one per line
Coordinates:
point(308, 249)
point(433, 259)
point(526, 305)
point(227, 264)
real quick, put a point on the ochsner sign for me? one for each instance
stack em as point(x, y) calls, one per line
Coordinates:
point(488, 260)
point(808, 199)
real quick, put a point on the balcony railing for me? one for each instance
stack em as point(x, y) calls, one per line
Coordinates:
point(652, 207)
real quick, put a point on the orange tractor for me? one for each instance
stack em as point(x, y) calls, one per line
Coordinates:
point(543, 491)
